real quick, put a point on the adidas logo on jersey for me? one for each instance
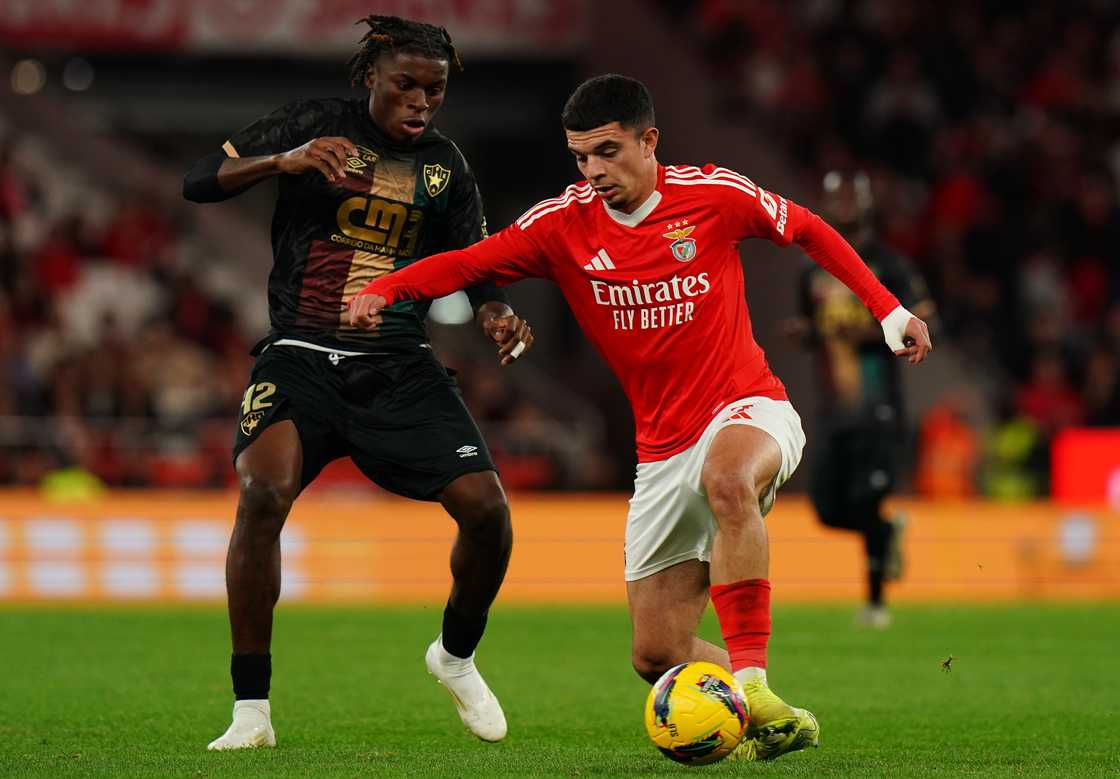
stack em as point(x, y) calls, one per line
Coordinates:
point(741, 413)
point(600, 261)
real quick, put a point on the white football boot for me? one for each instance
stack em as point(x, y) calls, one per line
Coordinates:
point(251, 727)
point(478, 708)
point(874, 617)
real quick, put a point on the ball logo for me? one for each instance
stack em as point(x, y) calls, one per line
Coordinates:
point(682, 247)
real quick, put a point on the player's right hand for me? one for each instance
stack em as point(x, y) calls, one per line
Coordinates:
point(365, 310)
point(326, 155)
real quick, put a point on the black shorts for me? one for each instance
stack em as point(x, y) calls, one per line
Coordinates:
point(399, 417)
point(855, 464)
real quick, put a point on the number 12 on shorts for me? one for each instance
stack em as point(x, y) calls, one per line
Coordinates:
point(257, 397)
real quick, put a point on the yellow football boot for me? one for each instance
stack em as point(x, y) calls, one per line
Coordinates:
point(775, 727)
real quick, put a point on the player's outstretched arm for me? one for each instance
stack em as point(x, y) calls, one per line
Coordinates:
point(905, 334)
point(436, 276)
point(504, 257)
point(218, 177)
point(430, 278)
point(752, 212)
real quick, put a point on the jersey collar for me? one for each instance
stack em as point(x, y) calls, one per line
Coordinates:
point(642, 211)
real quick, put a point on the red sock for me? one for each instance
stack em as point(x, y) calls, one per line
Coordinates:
point(743, 609)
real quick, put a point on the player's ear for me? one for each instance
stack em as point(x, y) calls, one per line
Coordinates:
point(370, 76)
point(648, 141)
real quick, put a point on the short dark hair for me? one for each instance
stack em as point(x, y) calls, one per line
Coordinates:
point(390, 34)
point(608, 98)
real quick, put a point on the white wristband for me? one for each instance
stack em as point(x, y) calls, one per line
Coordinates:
point(517, 350)
point(894, 327)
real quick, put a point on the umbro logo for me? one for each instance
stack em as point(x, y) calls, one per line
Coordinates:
point(600, 261)
point(467, 451)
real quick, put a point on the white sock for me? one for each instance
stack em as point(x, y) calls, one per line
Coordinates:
point(748, 675)
point(260, 705)
point(456, 665)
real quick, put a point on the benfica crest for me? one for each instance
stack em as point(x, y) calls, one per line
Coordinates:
point(436, 178)
point(682, 247)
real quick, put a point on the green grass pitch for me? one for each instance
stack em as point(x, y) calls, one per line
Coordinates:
point(1033, 691)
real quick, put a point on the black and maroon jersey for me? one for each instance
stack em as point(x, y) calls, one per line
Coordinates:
point(397, 204)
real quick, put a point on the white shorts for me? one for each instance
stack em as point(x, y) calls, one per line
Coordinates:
point(670, 520)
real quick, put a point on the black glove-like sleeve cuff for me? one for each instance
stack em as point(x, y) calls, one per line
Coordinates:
point(200, 185)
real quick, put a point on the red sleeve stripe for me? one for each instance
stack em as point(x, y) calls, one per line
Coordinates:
point(571, 188)
point(719, 174)
point(563, 198)
point(725, 173)
point(691, 171)
point(714, 182)
point(574, 194)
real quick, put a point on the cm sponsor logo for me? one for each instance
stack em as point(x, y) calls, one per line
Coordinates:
point(381, 225)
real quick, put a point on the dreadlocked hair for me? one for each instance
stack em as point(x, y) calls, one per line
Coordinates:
point(391, 34)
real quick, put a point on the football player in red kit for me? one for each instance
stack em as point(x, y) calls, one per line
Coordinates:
point(648, 259)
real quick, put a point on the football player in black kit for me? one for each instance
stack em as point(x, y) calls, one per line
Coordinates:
point(856, 466)
point(366, 186)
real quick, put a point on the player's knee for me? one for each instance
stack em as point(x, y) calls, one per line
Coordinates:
point(486, 514)
point(265, 502)
point(730, 497)
point(651, 661)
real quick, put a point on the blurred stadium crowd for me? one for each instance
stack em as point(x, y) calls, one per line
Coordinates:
point(990, 133)
point(117, 361)
point(989, 130)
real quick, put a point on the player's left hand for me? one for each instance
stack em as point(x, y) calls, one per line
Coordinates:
point(907, 336)
point(365, 311)
point(510, 332)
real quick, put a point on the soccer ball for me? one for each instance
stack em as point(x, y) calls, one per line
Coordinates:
point(696, 713)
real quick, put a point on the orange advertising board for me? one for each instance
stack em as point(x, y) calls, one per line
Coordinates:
point(169, 547)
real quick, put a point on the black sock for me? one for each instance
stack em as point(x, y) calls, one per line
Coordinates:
point(461, 633)
point(876, 540)
point(251, 676)
point(875, 582)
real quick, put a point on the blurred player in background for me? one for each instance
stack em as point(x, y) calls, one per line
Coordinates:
point(647, 257)
point(365, 187)
point(862, 420)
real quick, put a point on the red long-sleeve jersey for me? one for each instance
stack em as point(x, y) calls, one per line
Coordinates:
point(659, 292)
